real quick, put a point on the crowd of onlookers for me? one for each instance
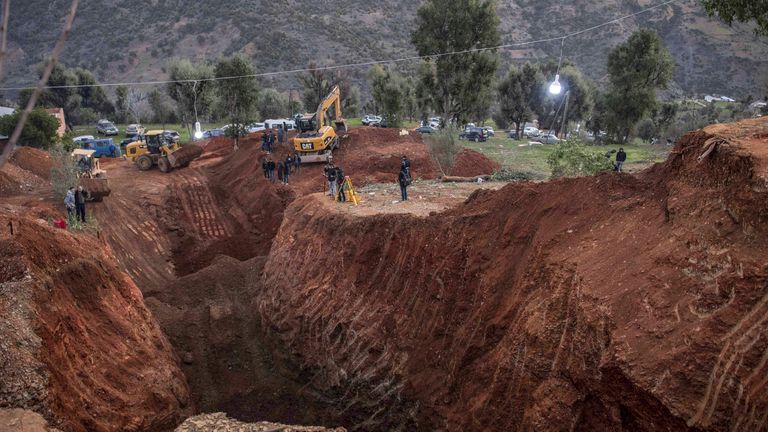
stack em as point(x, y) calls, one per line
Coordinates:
point(282, 169)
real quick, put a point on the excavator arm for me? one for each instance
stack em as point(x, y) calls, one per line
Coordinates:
point(332, 100)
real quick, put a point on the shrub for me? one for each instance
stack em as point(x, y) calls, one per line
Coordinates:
point(572, 159)
point(505, 175)
point(63, 172)
point(443, 146)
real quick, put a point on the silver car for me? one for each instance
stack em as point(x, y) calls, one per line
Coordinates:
point(548, 138)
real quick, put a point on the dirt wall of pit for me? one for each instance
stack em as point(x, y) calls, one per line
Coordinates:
point(610, 303)
point(78, 345)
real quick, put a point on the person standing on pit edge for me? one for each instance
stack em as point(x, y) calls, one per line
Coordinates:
point(402, 179)
point(340, 180)
point(405, 164)
point(330, 174)
point(287, 170)
point(621, 157)
point(271, 169)
point(80, 197)
point(280, 134)
point(69, 201)
point(297, 162)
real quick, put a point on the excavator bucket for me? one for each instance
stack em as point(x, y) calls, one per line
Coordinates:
point(183, 156)
point(341, 128)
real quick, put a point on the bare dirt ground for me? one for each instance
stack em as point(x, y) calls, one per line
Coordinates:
point(616, 302)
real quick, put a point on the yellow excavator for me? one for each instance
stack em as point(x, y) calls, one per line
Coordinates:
point(155, 149)
point(316, 139)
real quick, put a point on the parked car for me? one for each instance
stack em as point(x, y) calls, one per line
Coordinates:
point(134, 129)
point(380, 122)
point(213, 133)
point(81, 138)
point(531, 131)
point(106, 127)
point(548, 138)
point(370, 118)
point(255, 127)
point(475, 134)
point(103, 147)
point(514, 135)
point(172, 136)
point(426, 129)
point(290, 124)
point(489, 131)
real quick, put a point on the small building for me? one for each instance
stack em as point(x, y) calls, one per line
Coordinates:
point(59, 114)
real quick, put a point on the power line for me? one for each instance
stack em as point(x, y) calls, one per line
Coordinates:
point(367, 63)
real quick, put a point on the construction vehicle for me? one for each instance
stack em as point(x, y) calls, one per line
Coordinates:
point(154, 148)
point(316, 139)
point(90, 175)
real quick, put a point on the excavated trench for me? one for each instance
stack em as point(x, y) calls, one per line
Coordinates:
point(616, 302)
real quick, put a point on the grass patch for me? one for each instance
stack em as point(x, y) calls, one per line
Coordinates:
point(184, 133)
point(517, 156)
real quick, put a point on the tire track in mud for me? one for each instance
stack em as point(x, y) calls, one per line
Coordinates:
point(199, 205)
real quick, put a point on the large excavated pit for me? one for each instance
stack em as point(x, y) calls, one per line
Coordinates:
point(615, 302)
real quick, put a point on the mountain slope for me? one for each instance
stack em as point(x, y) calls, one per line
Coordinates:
point(132, 40)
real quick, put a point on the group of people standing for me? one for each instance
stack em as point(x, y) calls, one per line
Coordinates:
point(337, 181)
point(74, 200)
point(269, 139)
point(291, 165)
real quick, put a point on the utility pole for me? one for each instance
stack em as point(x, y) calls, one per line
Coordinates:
point(563, 131)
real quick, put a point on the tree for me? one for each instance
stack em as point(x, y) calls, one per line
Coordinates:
point(457, 82)
point(192, 89)
point(549, 108)
point(82, 104)
point(136, 101)
point(93, 96)
point(121, 103)
point(519, 92)
point(161, 106)
point(740, 10)
point(238, 96)
point(387, 92)
point(318, 83)
point(272, 104)
point(39, 131)
point(636, 69)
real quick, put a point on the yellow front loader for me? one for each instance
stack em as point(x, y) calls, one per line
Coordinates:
point(317, 139)
point(155, 149)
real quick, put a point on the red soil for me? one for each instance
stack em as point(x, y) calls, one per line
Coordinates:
point(603, 303)
point(470, 163)
point(36, 161)
point(85, 350)
point(8, 185)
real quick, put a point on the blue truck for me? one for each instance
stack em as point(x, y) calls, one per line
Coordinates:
point(102, 147)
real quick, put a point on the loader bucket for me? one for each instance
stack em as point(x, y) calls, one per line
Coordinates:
point(97, 188)
point(183, 156)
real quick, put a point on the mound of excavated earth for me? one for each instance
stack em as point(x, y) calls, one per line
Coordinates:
point(610, 303)
point(77, 343)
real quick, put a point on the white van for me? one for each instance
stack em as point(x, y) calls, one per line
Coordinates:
point(274, 124)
